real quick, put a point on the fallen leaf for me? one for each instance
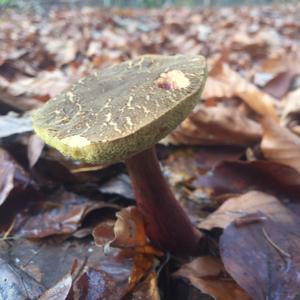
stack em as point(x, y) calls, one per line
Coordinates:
point(280, 145)
point(47, 261)
point(230, 178)
point(16, 103)
point(116, 276)
point(12, 123)
point(291, 111)
point(60, 213)
point(54, 167)
point(219, 125)
point(60, 290)
point(207, 273)
point(16, 284)
point(142, 264)
point(263, 257)
point(96, 283)
point(259, 101)
point(40, 56)
point(129, 228)
point(12, 177)
point(280, 84)
point(147, 289)
point(130, 236)
point(184, 164)
point(103, 233)
point(237, 207)
point(46, 84)
point(256, 45)
point(215, 88)
point(119, 185)
point(63, 50)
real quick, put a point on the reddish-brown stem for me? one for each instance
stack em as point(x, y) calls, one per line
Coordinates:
point(167, 224)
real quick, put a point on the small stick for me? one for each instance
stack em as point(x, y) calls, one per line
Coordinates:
point(9, 230)
point(274, 245)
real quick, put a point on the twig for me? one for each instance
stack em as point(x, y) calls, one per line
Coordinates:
point(274, 245)
point(9, 230)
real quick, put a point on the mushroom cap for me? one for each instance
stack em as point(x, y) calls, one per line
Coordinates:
point(122, 110)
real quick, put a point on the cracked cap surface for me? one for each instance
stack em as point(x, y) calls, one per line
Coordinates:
point(124, 109)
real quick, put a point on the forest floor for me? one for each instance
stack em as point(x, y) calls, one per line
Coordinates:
point(234, 163)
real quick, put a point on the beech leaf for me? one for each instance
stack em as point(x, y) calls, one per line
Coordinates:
point(237, 207)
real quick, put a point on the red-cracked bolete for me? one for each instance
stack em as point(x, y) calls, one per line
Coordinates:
point(118, 114)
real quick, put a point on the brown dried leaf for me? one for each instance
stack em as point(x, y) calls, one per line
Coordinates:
point(129, 229)
point(219, 125)
point(53, 166)
point(291, 111)
point(216, 88)
point(104, 232)
point(207, 273)
point(61, 213)
point(45, 85)
point(12, 176)
point(119, 185)
point(102, 283)
point(94, 283)
point(60, 290)
point(263, 257)
point(273, 64)
point(17, 284)
point(147, 289)
point(64, 50)
point(237, 207)
point(47, 261)
point(280, 145)
point(9, 102)
point(185, 164)
point(259, 101)
point(117, 277)
point(130, 235)
point(256, 45)
point(235, 177)
point(142, 264)
point(280, 84)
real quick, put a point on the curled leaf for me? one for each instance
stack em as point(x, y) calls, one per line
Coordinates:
point(129, 228)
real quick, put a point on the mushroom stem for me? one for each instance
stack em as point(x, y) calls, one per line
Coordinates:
point(167, 225)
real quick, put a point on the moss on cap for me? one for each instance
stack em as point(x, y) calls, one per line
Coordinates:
point(122, 110)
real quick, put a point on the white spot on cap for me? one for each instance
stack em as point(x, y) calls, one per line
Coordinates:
point(108, 117)
point(171, 80)
point(70, 96)
point(76, 141)
point(129, 122)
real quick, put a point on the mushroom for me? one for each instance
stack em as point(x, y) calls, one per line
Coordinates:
point(118, 114)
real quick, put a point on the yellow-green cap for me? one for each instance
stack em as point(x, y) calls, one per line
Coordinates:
point(124, 109)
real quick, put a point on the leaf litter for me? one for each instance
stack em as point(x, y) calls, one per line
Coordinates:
point(70, 230)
